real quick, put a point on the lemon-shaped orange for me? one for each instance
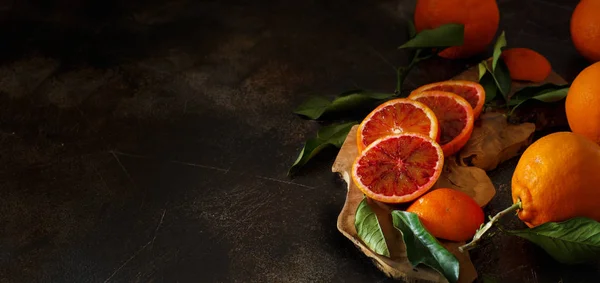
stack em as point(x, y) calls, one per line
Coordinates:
point(557, 178)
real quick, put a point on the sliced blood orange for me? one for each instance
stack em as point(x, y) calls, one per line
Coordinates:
point(455, 118)
point(473, 92)
point(398, 168)
point(397, 116)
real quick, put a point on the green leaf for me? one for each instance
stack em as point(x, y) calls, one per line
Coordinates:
point(313, 107)
point(573, 241)
point(502, 78)
point(316, 106)
point(551, 96)
point(422, 247)
point(310, 149)
point(349, 92)
point(500, 43)
point(482, 69)
point(531, 91)
point(442, 36)
point(499, 70)
point(333, 135)
point(356, 100)
point(489, 85)
point(368, 229)
point(545, 96)
point(412, 30)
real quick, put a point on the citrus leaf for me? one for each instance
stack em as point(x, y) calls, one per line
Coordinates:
point(487, 81)
point(502, 78)
point(546, 96)
point(356, 100)
point(500, 43)
point(313, 107)
point(531, 91)
point(422, 247)
point(317, 106)
point(489, 86)
point(552, 96)
point(442, 36)
point(368, 229)
point(332, 135)
point(349, 92)
point(412, 30)
point(482, 69)
point(310, 149)
point(335, 134)
point(573, 241)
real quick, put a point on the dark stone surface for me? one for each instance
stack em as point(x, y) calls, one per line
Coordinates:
point(149, 141)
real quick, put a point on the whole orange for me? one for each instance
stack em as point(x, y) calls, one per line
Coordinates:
point(480, 18)
point(525, 64)
point(557, 178)
point(582, 105)
point(448, 214)
point(585, 29)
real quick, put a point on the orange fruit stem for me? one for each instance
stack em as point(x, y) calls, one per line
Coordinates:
point(473, 243)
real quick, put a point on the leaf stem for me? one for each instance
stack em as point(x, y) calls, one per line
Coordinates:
point(487, 226)
point(402, 72)
point(400, 75)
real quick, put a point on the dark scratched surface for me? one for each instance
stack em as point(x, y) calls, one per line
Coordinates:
point(149, 141)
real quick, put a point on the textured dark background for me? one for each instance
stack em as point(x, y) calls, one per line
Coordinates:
point(148, 141)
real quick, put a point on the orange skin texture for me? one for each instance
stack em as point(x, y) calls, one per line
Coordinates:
point(585, 29)
point(480, 18)
point(448, 214)
point(557, 178)
point(582, 105)
point(525, 64)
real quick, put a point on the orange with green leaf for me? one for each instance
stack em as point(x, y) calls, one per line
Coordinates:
point(406, 142)
point(479, 17)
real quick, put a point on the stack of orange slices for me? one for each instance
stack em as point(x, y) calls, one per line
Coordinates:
point(403, 142)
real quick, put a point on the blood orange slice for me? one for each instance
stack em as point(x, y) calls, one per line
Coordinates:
point(394, 117)
point(398, 168)
point(473, 92)
point(455, 118)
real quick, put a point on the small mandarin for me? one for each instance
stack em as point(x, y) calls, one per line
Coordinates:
point(525, 64)
point(448, 214)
